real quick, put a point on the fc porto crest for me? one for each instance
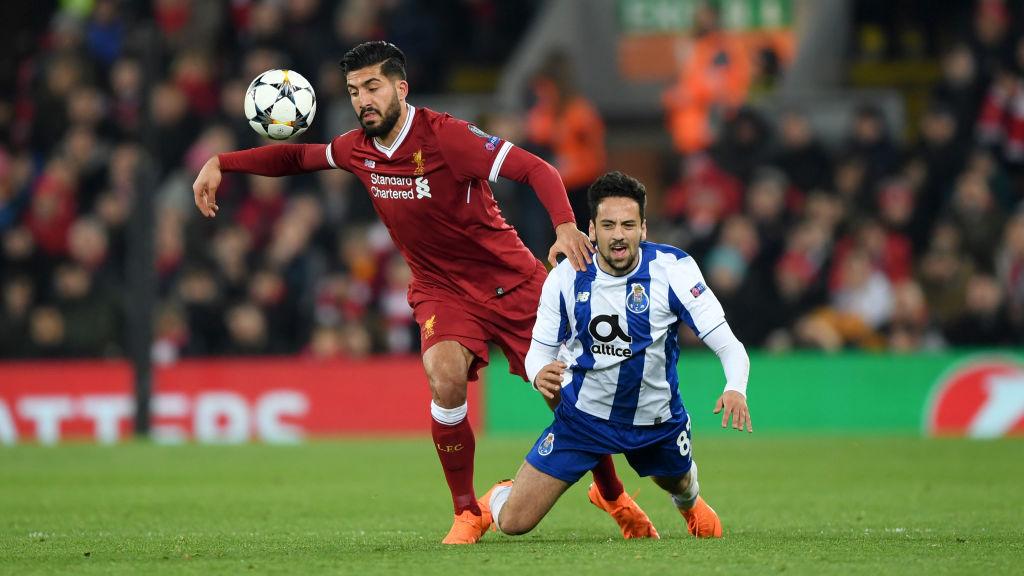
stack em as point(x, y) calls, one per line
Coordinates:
point(547, 445)
point(637, 300)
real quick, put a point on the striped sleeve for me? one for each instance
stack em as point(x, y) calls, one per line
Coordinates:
point(692, 299)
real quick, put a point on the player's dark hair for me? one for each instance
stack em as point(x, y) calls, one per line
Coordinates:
point(616, 184)
point(391, 59)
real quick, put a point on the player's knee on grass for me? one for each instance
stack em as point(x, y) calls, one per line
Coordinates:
point(447, 366)
point(515, 523)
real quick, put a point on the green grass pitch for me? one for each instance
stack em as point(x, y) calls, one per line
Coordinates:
point(789, 506)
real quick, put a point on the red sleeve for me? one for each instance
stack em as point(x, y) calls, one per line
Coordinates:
point(277, 160)
point(521, 166)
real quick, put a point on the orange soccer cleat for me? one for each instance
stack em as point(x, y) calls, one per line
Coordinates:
point(485, 505)
point(467, 528)
point(702, 521)
point(633, 522)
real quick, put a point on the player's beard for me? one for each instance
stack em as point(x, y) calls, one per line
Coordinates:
point(619, 264)
point(386, 122)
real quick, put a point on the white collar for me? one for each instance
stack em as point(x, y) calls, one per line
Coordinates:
point(389, 150)
point(601, 274)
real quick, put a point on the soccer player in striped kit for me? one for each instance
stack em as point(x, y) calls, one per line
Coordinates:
point(606, 340)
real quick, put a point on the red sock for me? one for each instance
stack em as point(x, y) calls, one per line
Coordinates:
point(607, 481)
point(455, 447)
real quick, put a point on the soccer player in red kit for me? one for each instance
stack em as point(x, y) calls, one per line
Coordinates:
point(474, 281)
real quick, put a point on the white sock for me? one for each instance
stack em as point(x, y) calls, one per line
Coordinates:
point(688, 498)
point(449, 416)
point(498, 499)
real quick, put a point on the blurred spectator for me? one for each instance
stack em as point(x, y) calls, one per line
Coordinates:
point(861, 304)
point(801, 156)
point(260, 211)
point(105, 32)
point(870, 142)
point(979, 219)
point(990, 41)
point(201, 303)
point(791, 296)
point(1010, 266)
point(15, 193)
point(400, 328)
point(53, 208)
point(564, 127)
point(744, 144)
point(703, 197)
point(230, 249)
point(863, 291)
point(248, 334)
point(714, 77)
point(960, 89)
point(766, 206)
point(46, 334)
point(910, 327)
point(170, 336)
point(944, 274)
point(943, 155)
point(268, 292)
point(888, 252)
point(18, 297)
point(984, 322)
point(91, 322)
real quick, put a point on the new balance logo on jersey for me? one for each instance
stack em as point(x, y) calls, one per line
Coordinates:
point(608, 335)
point(422, 188)
point(583, 297)
point(369, 163)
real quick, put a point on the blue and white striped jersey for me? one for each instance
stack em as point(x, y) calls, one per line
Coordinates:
point(620, 333)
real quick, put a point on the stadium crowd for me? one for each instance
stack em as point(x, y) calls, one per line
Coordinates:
point(871, 245)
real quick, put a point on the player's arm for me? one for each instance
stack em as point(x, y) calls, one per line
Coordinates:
point(275, 160)
point(526, 168)
point(475, 155)
point(736, 364)
point(697, 305)
point(550, 330)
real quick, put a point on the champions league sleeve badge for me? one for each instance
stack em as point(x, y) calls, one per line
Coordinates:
point(637, 300)
point(547, 445)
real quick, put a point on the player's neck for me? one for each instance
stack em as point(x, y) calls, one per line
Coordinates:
point(390, 137)
point(603, 265)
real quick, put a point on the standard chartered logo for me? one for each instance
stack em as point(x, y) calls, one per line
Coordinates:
point(399, 187)
point(606, 329)
point(422, 188)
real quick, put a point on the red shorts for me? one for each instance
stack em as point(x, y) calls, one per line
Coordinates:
point(506, 320)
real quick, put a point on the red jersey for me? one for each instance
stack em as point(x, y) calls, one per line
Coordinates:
point(430, 190)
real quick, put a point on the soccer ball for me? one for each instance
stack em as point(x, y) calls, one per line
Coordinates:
point(280, 104)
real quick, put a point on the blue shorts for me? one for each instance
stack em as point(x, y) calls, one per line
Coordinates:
point(575, 441)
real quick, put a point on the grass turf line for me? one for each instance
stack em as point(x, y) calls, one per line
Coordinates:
point(789, 505)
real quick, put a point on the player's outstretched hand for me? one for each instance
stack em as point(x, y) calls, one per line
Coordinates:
point(734, 404)
point(549, 380)
point(205, 187)
point(575, 245)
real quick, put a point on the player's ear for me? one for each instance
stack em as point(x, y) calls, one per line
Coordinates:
point(643, 230)
point(403, 89)
point(592, 232)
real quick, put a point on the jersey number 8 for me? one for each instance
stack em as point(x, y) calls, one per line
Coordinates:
point(684, 440)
